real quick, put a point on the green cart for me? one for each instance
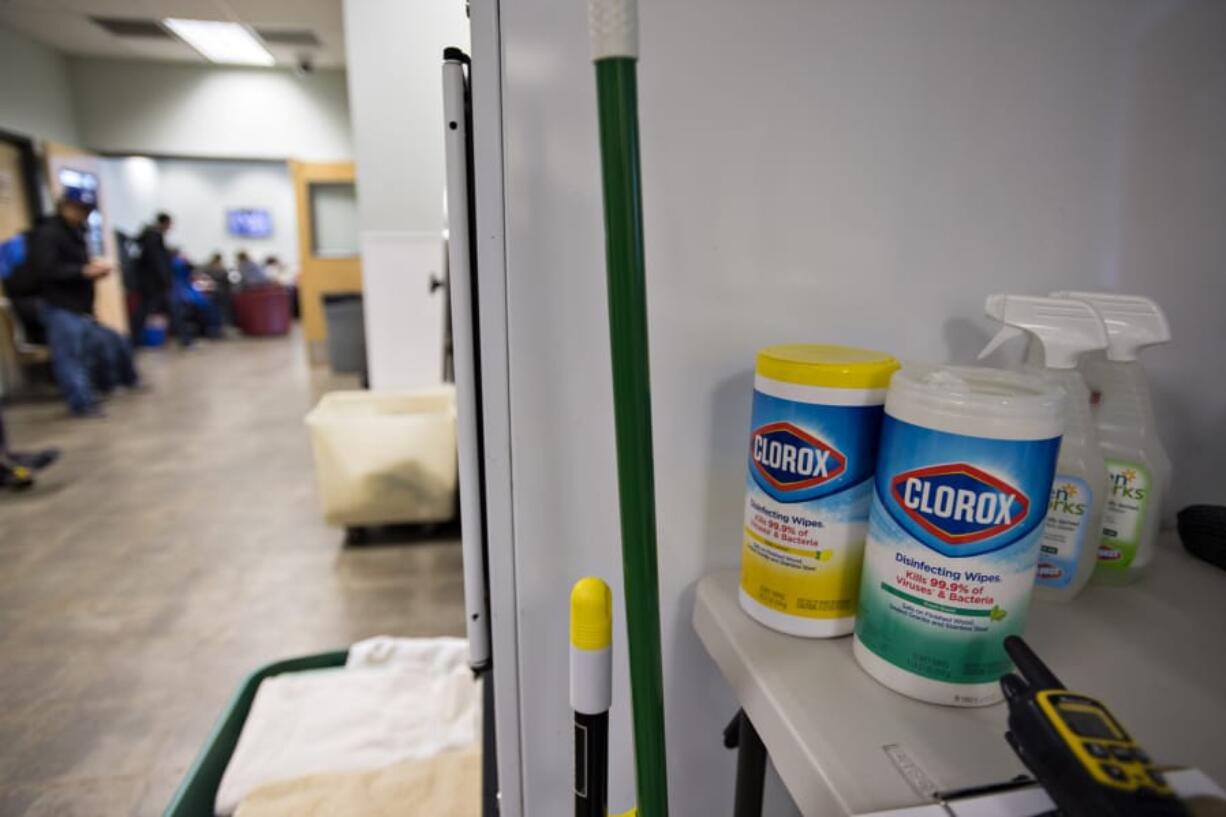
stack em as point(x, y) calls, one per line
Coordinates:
point(198, 791)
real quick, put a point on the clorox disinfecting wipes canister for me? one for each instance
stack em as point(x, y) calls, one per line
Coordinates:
point(812, 447)
point(960, 493)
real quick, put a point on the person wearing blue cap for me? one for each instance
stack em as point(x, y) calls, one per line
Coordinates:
point(81, 348)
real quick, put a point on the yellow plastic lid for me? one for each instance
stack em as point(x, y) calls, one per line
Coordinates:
point(828, 365)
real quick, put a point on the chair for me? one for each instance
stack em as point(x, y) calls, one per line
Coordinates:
point(16, 353)
point(262, 310)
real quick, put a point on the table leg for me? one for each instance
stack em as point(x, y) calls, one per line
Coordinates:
point(750, 765)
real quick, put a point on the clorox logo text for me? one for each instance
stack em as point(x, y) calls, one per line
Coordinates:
point(792, 459)
point(959, 504)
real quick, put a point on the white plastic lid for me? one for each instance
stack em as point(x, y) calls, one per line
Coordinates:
point(977, 401)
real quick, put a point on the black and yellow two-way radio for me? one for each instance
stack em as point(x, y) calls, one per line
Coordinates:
point(1077, 750)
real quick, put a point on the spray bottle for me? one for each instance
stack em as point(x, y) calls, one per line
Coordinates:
point(1065, 329)
point(1138, 468)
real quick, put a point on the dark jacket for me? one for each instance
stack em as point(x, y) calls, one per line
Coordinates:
point(153, 269)
point(58, 254)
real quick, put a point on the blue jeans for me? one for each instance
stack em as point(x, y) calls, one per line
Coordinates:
point(85, 354)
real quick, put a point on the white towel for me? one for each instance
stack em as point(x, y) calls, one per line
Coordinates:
point(353, 719)
point(437, 656)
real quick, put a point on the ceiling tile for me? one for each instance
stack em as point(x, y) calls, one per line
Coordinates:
point(103, 8)
point(189, 9)
point(64, 25)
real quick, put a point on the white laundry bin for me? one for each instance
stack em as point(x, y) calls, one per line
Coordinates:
point(385, 457)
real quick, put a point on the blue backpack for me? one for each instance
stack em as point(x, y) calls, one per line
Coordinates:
point(12, 255)
point(18, 278)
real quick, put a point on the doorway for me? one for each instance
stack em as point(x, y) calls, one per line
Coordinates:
point(329, 262)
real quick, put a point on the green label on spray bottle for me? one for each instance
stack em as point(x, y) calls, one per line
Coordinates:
point(1128, 491)
point(1064, 531)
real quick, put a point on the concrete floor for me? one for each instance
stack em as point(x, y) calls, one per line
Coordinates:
point(177, 546)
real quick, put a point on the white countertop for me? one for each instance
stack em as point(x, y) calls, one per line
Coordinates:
point(1153, 652)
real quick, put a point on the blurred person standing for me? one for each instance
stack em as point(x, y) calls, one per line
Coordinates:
point(80, 346)
point(155, 281)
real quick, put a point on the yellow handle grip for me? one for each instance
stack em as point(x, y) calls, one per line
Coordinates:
point(591, 614)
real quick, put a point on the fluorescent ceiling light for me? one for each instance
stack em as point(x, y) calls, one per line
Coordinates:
point(220, 41)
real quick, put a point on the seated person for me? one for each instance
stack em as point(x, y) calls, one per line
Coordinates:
point(252, 273)
point(82, 350)
point(214, 272)
point(193, 305)
point(29, 312)
point(21, 286)
point(281, 273)
point(277, 270)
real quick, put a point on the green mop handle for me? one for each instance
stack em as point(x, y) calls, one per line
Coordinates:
point(614, 27)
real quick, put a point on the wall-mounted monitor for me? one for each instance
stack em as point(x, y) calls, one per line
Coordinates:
point(249, 222)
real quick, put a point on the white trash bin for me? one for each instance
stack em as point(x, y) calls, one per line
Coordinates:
point(385, 457)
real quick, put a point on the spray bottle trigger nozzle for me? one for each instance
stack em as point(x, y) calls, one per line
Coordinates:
point(1006, 333)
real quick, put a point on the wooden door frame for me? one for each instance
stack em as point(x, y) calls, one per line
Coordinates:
point(320, 275)
point(30, 172)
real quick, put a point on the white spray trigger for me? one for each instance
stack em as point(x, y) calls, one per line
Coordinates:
point(1005, 334)
point(1133, 321)
point(1066, 328)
